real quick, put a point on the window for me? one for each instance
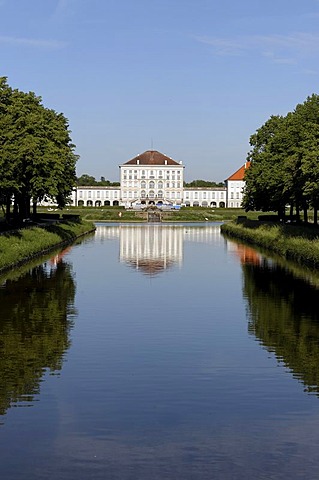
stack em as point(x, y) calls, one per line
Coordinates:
point(143, 194)
point(151, 194)
point(152, 184)
point(90, 194)
point(232, 195)
point(143, 184)
point(160, 184)
point(98, 193)
point(160, 193)
point(143, 174)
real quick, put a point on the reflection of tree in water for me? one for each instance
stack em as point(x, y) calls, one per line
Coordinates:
point(34, 327)
point(284, 316)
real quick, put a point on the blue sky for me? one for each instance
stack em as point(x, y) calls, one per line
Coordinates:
point(190, 78)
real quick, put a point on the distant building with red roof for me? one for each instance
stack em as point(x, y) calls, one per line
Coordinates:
point(235, 187)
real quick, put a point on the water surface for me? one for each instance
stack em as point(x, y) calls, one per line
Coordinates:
point(159, 352)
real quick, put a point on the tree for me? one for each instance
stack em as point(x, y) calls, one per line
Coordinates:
point(36, 152)
point(203, 183)
point(86, 180)
point(264, 183)
point(284, 162)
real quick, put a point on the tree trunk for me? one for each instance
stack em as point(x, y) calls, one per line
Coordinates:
point(305, 214)
point(315, 215)
point(8, 208)
point(34, 209)
point(291, 210)
point(297, 212)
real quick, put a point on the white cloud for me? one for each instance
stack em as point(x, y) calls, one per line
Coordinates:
point(278, 48)
point(31, 42)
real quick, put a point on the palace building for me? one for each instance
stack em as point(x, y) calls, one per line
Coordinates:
point(153, 178)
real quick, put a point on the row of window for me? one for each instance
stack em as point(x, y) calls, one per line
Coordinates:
point(98, 193)
point(237, 195)
point(134, 174)
point(203, 195)
point(152, 184)
point(152, 194)
point(160, 192)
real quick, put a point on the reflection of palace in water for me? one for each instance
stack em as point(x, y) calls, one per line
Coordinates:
point(153, 248)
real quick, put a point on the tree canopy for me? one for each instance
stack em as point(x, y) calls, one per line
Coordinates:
point(203, 183)
point(284, 168)
point(89, 180)
point(37, 159)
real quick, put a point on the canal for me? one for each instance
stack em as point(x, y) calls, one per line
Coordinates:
point(159, 352)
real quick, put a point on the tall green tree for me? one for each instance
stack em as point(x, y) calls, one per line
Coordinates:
point(36, 152)
point(284, 162)
point(264, 179)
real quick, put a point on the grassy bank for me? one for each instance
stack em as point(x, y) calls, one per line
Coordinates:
point(297, 243)
point(185, 214)
point(20, 246)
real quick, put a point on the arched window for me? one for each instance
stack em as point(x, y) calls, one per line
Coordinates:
point(151, 184)
point(151, 194)
point(160, 194)
point(143, 184)
point(143, 194)
point(160, 184)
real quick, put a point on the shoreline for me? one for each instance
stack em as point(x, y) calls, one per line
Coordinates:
point(18, 247)
point(298, 243)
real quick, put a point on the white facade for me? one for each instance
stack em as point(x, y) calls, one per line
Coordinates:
point(151, 184)
point(235, 191)
point(205, 197)
point(110, 196)
point(96, 196)
point(235, 185)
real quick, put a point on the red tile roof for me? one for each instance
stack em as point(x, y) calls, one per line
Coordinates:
point(240, 173)
point(152, 157)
